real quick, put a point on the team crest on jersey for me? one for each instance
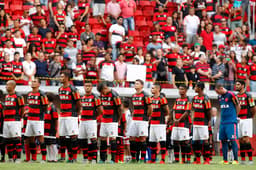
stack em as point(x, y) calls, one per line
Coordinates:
point(12, 99)
point(67, 92)
point(36, 97)
point(226, 99)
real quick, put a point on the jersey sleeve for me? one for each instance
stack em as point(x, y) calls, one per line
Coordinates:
point(117, 99)
point(251, 101)
point(233, 98)
point(75, 93)
point(207, 103)
point(97, 101)
point(163, 101)
point(148, 99)
point(44, 99)
point(21, 101)
point(54, 113)
point(189, 106)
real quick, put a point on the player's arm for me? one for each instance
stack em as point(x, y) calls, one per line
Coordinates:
point(186, 113)
point(55, 117)
point(45, 103)
point(99, 110)
point(236, 103)
point(77, 98)
point(118, 103)
point(252, 105)
point(21, 103)
point(148, 103)
point(208, 107)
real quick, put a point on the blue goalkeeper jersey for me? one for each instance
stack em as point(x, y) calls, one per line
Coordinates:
point(228, 103)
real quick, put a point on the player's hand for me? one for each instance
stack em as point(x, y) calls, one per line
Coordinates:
point(176, 122)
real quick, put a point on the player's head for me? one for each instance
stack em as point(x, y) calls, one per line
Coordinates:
point(103, 88)
point(199, 87)
point(240, 85)
point(10, 86)
point(64, 77)
point(126, 103)
point(156, 88)
point(50, 97)
point(219, 88)
point(35, 83)
point(88, 86)
point(138, 84)
point(183, 90)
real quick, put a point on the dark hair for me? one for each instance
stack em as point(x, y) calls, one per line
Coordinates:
point(30, 49)
point(66, 8)
point(242, 82)
point(38, 79)
point(16, 52)
point(126, 102)
point(119, 17)
point(200, 85)
point(89, 39)
point(218, 86)
point(159, 86)
point(87, 81)
point(141, 82)
point(184, 45)
point(183, 86)
point(66, 74)
point(50, 97)
point(136, 59)
point(101, 86)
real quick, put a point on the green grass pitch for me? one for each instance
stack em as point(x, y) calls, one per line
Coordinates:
point(65, 166)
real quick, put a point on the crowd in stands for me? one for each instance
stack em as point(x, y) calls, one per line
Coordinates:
point(178, 42)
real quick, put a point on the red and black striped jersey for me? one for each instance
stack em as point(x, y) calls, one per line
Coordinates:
point(50, 118)
point(60, 17)
point(201, 106)
point(181, 39)
point(140, 103)
point(17, 70)
point(90, 104)
point(82, 6)
point(63, 39)
point(5, 39)
point(242, 71)
point(36, 101)
point(91, 72)
point(1, 118)
point(68, 98)
point(122, 125)
point(150, 69)
point(6, 69)
point(169, 31)
point(160, 18)
point(74, 37)
point(203, 67)
point(253, 72)
point(49, 45)
point(180, 107)
point(35, 39)
point(130, 50)
point(12, 107)
point(217, 19)
point(226, 30)
point(158, 114)
point(210, 5)
point(246, 102)
point(159, 34)
point(186, 58)
point(54, 4)
point(110, 103)
point(172, 58)
point(87, 55)
point(36, 18)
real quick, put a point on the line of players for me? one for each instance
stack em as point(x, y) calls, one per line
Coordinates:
point(77, 125)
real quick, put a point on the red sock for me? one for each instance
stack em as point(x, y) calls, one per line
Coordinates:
point(27, 152)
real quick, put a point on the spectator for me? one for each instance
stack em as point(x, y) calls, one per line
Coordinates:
point(215, 124)
point(73, 35)
point(67, 65)
point(158, 32)
point(186, 58)
point(236, 17)
point(129, 50)
point(3, 20)
point(191, 23)
point(140, 55)
point(59, 16)
point(253, 75)
point(172, 57)
point(168, 44)
point(91, 72)
point(116, 36)
point(83, 7)
point(9, 49)
point(98, 8)
point(196, 53)
point(202, 47)
point(200, 5)
point(192, 76)
point(178, 75)
point(218, 71)
point(154, 44)
point(161, 67)
point(170, 30)
point(33, 51)
point(160, 16)
point(121, 69)
point(128, 8)
point(150, 71)
point(29, 69)
point(69, 16)
point(34, 38)
point(5, 69)
point(8, 36)
point(88, 51)
point(211, 7)
point(216, 18)
point(87, 34)
point(79, 71)
point(162, 3)
point(203, 69)
point(19, 44)
point(43, 29)
point(61, 37)
point(54, 70)
point(113, 10)
point(17, 69)
point(176, 20)
point(71, 51)
point(41, 68)
point(184, 8)
point(25, 22)
point(107, 70)
point(225, 29)
point(207, 36)
point(36, 18)
point(230, 71)
point(16, 27)
point(99, 44)
point(49, 43)
point(201, 27)
point(243, 70)
point(218, 36)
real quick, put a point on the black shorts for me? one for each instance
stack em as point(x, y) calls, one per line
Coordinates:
point(50, 141)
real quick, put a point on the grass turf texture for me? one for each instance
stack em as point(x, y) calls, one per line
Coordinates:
point(65, 166)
